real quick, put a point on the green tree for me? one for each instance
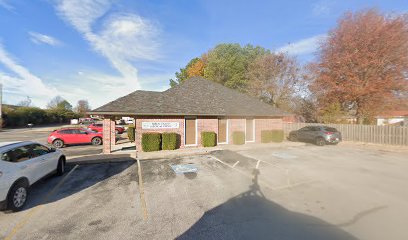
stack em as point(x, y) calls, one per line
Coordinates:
point(331, 113)
point(228, 63)
point(182, 75)
point(65, 105)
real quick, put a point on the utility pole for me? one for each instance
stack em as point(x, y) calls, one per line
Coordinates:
point(1, 103)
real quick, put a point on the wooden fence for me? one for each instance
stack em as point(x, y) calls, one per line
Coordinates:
point(393, 135)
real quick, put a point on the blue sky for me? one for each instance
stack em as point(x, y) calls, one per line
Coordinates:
point(100, 50)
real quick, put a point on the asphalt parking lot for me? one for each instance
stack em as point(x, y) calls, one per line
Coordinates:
point(305, 192)
point(40, 134)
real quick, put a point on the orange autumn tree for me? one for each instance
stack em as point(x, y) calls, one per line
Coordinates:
point(197, 68)
point(363, 63)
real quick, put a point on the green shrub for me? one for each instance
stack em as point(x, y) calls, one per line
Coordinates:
point(238, 137)
point(131, 133)
point(277, 135)
point(208, 139)
point(151, 142)
point(266, 136)
point(169, 141)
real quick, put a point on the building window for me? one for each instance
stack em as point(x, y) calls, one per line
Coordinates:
point(222, 130)
point(190, 131)
point(249, 130)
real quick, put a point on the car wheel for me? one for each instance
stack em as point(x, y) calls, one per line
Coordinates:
point(292, 138)
point(117, 131)
point(61, 166)
point(17, 197)
point(58, 143)
point(320, 141)
point(96, 141)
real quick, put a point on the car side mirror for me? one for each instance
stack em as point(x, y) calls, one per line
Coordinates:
point(53, 149)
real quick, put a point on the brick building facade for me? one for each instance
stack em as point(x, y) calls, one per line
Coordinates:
point(192, 107)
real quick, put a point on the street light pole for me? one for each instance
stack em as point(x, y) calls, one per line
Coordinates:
point(1, 103)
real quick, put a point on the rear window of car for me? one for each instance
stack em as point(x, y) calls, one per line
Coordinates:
point(7, 156)
point(66, 131)
point(330, 129)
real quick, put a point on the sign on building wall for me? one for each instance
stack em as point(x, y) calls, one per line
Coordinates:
point(160, 125)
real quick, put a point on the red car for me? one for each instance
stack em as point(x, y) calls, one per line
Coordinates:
point(66, 136)
point(98, 127)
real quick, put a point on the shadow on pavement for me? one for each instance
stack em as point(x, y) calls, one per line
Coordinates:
point(83, 177)
point(252, 216)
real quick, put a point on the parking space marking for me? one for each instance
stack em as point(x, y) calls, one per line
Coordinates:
point(141, 190)
point(235, 164)
point(286, 186)
point(257, 164)
point(30, 213)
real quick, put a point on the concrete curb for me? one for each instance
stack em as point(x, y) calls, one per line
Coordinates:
point(101, 158)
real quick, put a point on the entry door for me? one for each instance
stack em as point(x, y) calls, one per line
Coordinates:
point(249, 130)
point(190, 131)
point(222, 130)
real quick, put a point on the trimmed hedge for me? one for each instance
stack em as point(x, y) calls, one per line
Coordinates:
point(268, 136)
point(208, 139)
point(131, 133)
point(151, 142)
point(238, 138)
point(169, 141)
point(277, 135)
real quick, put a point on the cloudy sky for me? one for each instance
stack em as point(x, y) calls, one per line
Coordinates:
point(103, 49)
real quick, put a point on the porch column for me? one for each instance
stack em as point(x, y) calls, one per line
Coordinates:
point(107, 135)
point(113, 134)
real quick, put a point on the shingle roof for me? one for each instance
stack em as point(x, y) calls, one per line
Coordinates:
point(196, 96)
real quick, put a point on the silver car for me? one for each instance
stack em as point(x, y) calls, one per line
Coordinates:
point(319, 135)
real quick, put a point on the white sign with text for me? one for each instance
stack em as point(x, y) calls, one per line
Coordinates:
point(160, 125)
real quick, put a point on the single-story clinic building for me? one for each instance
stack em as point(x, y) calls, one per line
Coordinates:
point(188, 109)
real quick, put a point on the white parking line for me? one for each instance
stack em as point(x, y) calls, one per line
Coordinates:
point(235, 164)
point(141, 190)
point(30, 213)
point(263, 182)
point(257, 164)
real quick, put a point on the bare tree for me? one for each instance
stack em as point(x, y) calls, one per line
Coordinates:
point(82, 107)
point(274, 78)
point(25, 103)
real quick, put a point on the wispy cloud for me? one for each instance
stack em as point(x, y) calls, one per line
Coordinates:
point(322, 7)
point(123, 38)
point(39, 38)
point(303, 46)
point(5, 4)
point(25, 83)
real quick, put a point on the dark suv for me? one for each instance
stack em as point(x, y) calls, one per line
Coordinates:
point(320, 135)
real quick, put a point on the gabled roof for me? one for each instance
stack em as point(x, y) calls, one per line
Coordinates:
point(390, 114)
point(195, 96)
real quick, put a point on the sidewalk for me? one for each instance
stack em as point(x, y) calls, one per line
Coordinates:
point(201, 150)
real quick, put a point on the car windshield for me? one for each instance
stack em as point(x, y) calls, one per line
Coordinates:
point(330, 129)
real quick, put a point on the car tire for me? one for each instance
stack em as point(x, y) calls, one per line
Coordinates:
point(17, 196)
point(58, 143)
point(320, 141)
point(61, 166)
point(292, 138)
point(96, 141)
